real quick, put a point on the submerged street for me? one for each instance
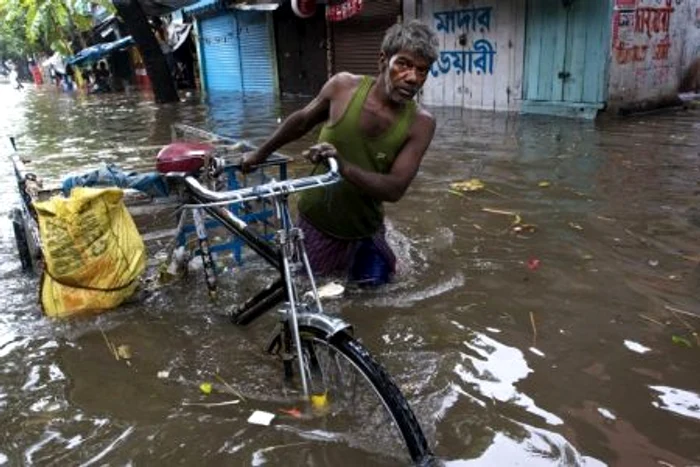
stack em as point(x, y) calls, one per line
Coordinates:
point(568, 338)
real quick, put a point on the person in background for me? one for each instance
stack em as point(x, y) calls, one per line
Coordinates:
point(14, 78)
point(101, 77)
point(68, 82)
point(379, 135)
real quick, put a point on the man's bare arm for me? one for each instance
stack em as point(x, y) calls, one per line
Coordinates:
point(392, 186)
point(298, 123)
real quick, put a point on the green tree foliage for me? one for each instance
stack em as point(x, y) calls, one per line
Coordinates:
point(27, 26)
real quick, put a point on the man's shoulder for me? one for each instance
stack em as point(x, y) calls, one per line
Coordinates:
point(423, 116)
point(345, 80)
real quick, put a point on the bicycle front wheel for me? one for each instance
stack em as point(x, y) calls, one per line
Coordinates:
point(357, 396)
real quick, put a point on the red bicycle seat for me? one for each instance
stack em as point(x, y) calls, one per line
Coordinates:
point(182, 156)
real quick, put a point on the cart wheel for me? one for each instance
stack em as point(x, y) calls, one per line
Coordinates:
point(25, 255)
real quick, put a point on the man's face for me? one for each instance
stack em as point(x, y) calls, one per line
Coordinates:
point(405, 73)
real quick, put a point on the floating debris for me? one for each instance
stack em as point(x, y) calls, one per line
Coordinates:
point(472, 185)
point(261, 418)
point(229, 387)
point(517, 225)
point(210, 404)
point(124, 352)
point(468, 185)
point(533, 264)
point(606, 413)
point(682, 341)
point(636, 347)
point(293, 412)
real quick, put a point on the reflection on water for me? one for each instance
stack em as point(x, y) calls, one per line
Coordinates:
point(494, 371)
point(569, 363)
point(682, 402)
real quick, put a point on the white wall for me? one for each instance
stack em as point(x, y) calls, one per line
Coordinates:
point(653, 41)
point(496, 88)
point(692, 36)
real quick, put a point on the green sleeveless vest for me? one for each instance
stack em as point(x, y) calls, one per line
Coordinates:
point(343, 210)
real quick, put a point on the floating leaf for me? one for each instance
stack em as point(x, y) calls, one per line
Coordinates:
point(544, 184)
point(517, 224)
point(205, 388)
point(124, 352)
point(468, 185)
point(678, 340)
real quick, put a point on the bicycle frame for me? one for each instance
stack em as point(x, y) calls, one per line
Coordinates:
point(289, 248)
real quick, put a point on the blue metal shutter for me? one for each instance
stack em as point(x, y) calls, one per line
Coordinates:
point(257, 52)
point(221, 60)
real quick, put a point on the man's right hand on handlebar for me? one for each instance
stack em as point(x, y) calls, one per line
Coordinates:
point(250, 159)
point(321, 152)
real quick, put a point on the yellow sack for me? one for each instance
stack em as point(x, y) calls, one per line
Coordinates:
point(93, 252)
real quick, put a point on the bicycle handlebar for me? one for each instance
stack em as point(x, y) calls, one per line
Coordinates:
point(267, 190)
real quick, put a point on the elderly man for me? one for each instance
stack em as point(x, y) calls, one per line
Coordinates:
point(379, 135)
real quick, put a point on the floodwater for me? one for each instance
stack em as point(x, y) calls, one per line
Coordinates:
point(558, 346)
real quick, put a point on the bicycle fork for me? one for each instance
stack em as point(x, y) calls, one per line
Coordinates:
point(291, 244)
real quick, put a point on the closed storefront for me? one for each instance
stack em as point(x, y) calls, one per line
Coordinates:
point(257, 52)
point(301, 51)
point(221, 64)
point(237, 52)
point(357, 40)
point(565, 65)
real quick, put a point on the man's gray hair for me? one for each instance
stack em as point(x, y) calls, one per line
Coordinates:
point(414, 36)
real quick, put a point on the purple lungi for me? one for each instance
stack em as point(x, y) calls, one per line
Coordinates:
point(330, 255)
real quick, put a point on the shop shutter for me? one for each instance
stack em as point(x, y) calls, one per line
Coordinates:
point(221, 60)
point(356, 41)
point(257, 52)
point(301, 51)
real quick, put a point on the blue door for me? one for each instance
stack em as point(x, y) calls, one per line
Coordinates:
point(221, 62)
point(257, 52)
point(565, 51)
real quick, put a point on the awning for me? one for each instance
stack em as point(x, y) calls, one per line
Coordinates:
point(207, 6)
point(204, 6)
point(163, 7)
point(98, 51)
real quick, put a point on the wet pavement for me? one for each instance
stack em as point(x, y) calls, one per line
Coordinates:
point(571, 344)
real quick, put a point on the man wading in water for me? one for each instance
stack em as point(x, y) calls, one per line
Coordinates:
point(379, 135)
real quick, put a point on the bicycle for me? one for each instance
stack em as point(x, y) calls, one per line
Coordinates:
point(318, 349)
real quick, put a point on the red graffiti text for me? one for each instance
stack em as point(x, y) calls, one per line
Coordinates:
point(630, 53)
point(661, 50)
point(651, 20)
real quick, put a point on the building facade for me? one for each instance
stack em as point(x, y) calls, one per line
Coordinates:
point(564, 57)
